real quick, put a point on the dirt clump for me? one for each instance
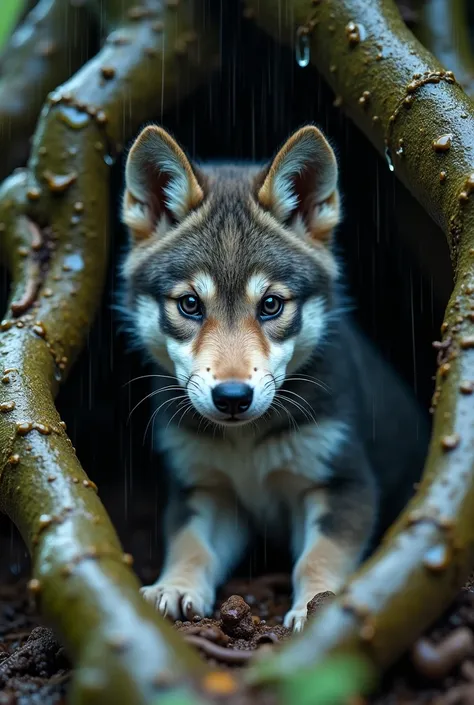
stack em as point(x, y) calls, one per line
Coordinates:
point(320, 600)
point(234, 635)
point(40, 656)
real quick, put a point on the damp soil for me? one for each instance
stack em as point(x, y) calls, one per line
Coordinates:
point(247, 622)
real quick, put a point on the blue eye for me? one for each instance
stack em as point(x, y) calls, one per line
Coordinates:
point(270, 307)
point(190, 306)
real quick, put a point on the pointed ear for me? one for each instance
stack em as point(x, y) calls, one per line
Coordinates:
point(302, 181)
point(159, 181)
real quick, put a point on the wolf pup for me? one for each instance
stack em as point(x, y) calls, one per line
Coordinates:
point(276, 413)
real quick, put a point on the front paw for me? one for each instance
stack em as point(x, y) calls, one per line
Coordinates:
point(178, 600)
point(296, 619)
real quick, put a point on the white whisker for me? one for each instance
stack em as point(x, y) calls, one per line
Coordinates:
point(176, 413)
point(152, 394)
point(135, 379)
point(306, 414)
point(153, 416)
point(276, 403)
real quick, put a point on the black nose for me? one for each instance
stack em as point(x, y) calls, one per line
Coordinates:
point(232, 397)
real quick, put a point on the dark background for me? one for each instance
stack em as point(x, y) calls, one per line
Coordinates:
point(245, 112)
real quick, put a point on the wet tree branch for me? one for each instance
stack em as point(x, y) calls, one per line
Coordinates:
point(417, 114)
point(54, 222)
point(52, 42)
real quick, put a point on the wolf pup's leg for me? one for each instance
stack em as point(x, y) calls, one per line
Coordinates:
point(199, 554)
point(332, 527)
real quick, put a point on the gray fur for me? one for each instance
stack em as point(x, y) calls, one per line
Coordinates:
point(345, 379)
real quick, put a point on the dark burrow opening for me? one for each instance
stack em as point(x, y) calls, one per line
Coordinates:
point(397, 272)
point(396, 267)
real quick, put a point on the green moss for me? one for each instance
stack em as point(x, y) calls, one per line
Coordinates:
point(10, 13)
point(331, 683)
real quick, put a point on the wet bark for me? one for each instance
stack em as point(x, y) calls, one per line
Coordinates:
point(420, 117)
point(52, 42)
point(54, 222)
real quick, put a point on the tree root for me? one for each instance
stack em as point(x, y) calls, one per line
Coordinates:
point(417, 115)
point(50, 44)
point(217, 652)
point(54, 237)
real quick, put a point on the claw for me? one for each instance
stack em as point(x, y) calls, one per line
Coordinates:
point(188, 608)
point(296, 619)
point(176, 601)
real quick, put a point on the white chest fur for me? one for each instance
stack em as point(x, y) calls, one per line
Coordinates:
point(260, 471)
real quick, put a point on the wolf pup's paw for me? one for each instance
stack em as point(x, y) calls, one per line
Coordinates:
point(178, 600)
point(295, 619)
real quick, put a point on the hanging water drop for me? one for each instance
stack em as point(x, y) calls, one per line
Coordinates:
point(388, 157)
point(302, 47)
point(401, 148)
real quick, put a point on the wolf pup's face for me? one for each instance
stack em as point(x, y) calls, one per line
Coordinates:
point(230, 272)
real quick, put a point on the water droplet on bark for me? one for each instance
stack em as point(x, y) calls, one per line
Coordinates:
point(302, 48)
point(437, 558)
point(58, 183)
point(443, 143)
point(450, 442)
point(72, 117)
point(388, 158)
